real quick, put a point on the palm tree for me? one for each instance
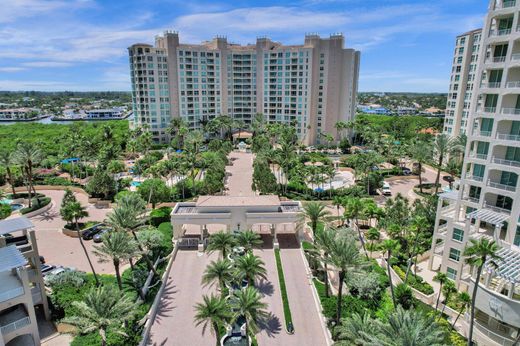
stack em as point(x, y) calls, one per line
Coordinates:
point(407, 327)
point(441, 278)
point(220, 271)
point(337, 201)
point(442, 146)
point(447, 291)
point(323, 241)
point(345, 257)
point(250, 268)
point(27, 155)
point(73, 212)
point(316, 213)
point(213, 311)
point(453, 168)
point(247, 303)
point(7, 160)
point(249, 240)
point(353, 211)
point(421, 152)
point(102, 309)
point(463, 301)
point(355, 330)
point(130, 215)
point(373, 235)
point(477, 254)
point(390, 246)
point(221, 241)
point(117, 247)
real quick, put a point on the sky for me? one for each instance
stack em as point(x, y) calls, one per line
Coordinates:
point(81, 45)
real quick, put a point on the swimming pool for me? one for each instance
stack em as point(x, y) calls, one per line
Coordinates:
point(135, 183)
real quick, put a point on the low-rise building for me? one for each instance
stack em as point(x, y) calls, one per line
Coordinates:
point(19, 113)
point(111, 113)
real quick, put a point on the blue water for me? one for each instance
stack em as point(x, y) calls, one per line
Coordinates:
point(16, 206)
point(135, 183)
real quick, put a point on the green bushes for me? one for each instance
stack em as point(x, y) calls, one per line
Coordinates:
point(415, 281)
point(160, 215)
point(283, 290)
point(404, 296)
point(5, 210)
point(36, 203)
point(58, 181)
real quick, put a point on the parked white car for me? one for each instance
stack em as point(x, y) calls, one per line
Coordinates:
point(387, 191)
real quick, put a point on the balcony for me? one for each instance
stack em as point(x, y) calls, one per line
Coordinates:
point(501, 32)
point(16, 318)
point(498, 59)
point(508, 137)
point(505, 162)
point(486, 109)
point(475, 178)
point(482, 133)
point(490, 85)
point(497, 209)
point(478, 156)
point(500, 186)
point(505, 4)
point(508, 111)
point(512, 85)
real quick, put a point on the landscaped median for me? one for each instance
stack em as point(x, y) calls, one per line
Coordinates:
point(289, 327)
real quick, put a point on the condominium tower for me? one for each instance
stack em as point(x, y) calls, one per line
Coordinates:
point(463, 71)
point(313, 85)
point(487, 205)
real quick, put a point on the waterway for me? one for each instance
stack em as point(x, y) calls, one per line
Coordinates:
point(49, 121)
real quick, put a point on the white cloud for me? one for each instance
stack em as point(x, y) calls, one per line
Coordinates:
point(11, 69)
point(46, 64)
point(12, 10)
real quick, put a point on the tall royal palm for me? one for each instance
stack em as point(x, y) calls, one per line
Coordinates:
point(441, 278)
point(221, 241)
point(316, 213)
point(250, 267)
point(118, 247)
point(220, 272)
point(477, 254)
point(129, 216)
point(213, 311)
point(28, 155)
point(420, 153)
point(103, 309)
point(73, 212)
point(353, 211)
point(344, 256)
point(247, 303)
point(442, 147)
point(323, 241)
point(7, 161)
point(249, 240)
point(390, 246)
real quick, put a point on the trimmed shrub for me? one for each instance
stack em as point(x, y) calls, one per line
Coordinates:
point(414, 281)
point(283, 291)
point(160, 215)
point(36, 204)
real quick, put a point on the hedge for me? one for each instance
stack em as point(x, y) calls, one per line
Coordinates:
point(24, 195)
point(36, 204)
point(283, 290)
point(160, 215)
point(414, 281)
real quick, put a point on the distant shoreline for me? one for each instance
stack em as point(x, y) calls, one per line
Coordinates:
point(24, 120)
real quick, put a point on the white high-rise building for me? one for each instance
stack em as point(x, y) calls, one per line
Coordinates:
point(313, 85)
point(488, 201)
point(463, 73)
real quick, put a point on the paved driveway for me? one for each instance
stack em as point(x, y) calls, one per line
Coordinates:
point(239, 183)
point(174, 324)
point(59, 249)
point(305, 315)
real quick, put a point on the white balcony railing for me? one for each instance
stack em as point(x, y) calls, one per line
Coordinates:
point(505, 162)
point(482, 133)
point(471, 199)
point(487, 109)
point(501, 32)
point(501, 186)
point(491, 85)
point(515, 56)
point(11, 327)
point(513, 84)
point(496, 59)
point(515, 111)
point(478, 156)
point(15, 292)
point(497, 209)
point(474, 178)
point(508, 137)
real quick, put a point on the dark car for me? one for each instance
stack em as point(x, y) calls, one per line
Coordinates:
point(98, 238)
point(91, 232)
point(46, 268)
point(406, 171)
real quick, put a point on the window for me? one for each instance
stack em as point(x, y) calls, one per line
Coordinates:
point(458, 234)
point(454, 254)
point(516, 241)
point(451, 273)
